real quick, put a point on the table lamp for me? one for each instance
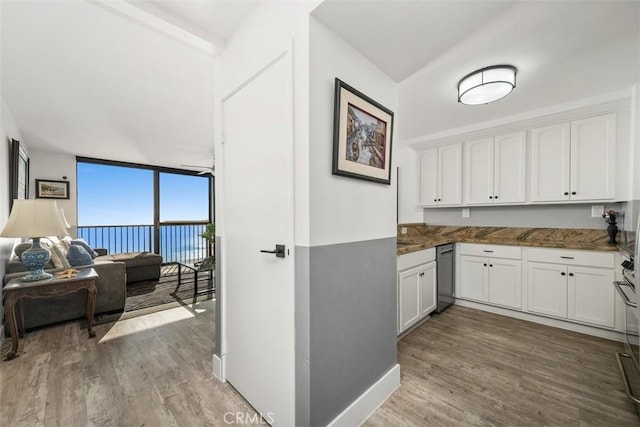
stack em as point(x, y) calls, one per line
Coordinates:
point(34, 218)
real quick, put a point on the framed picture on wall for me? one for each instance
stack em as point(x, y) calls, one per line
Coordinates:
point(18, 172)
point(362, 136)
point(47, 189)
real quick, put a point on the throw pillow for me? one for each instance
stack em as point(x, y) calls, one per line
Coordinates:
point(85, 245)
point(58, 254)
point(20, 248)
point(78, 256)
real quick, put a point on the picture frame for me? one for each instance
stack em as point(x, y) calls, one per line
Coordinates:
point(18, 172)
point(362, 136)
point(48, 189)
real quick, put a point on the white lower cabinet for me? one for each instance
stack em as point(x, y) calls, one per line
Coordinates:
point(494, 278)
point(566, 289)
point(417, 291)
point(565, 284)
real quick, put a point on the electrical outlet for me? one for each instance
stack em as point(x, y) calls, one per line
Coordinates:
point(403, 230)
point(465, 212)
point(597, 211)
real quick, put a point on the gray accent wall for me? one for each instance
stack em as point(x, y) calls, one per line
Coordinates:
point(345, 324)
point(552, 216)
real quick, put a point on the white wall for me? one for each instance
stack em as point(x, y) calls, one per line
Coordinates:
point(271, 29)
point(55, 166)
point(344, 209)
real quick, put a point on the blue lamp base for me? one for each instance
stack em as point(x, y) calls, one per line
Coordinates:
point(35, 258)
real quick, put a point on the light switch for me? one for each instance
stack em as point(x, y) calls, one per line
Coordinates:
point(465, 212)
point(403, 230)
point(597, 211)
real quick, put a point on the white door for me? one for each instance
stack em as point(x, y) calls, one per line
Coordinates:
point(593, 158)
point(473, 278)
point(428, 289)
point(478, 158)
point(547, 285)
point(409, 297)
point(505, 282)
point(429, 177)
point(591, 297)
point(450, 174)
point(510, 168)
point(550, 160)
point(258, 341)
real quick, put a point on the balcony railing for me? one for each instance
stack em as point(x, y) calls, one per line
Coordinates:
point(180, 241)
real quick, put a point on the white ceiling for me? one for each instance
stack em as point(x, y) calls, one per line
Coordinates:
point(84, 79)
point(564, 51)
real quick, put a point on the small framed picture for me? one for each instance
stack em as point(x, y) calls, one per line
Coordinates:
point(362, 136)
point(46, 189)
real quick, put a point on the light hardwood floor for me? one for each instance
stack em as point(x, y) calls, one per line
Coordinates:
point(461, 368)
point(466, 367)
point(152, 370)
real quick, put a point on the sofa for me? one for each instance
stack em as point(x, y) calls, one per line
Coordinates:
point(111, 286)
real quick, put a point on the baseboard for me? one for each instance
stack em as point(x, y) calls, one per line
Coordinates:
point(218, 368)
point(548, 321)
point(369, 401)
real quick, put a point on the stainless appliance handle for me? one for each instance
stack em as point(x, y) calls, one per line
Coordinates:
point(446, 251)
point(625, 380)
point(624, 296)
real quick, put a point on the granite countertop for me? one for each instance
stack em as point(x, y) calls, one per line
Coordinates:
point(422, 236)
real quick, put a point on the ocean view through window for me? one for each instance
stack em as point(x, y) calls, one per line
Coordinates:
point(117, 210)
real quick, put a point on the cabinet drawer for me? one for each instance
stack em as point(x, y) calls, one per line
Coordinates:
point(491, 251)
point(416, 258)
point(572, 257)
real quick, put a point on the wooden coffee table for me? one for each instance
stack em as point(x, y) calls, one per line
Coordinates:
point(15, 290)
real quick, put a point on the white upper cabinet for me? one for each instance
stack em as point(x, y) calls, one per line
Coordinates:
point(574, 161)
point(495, 170)
point(593, 159)
point(441, 176)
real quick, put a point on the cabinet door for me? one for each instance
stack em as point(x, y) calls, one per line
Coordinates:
point(473, 278)
point(550, 161)
point(429, 177)
point(428, 291)
point(505, 282)
point(478, 181)
point(450, 174)
point(591, 296)
point(510, 168)
point(593, 142)
point(547, 285)
point(408, 297)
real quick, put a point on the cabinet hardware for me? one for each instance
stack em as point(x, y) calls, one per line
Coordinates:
point(563, 273)
point(574, 193)
point(495, 197)
point(487, 251)
point(485, 264)
point(571, 274)
point(439, 200)
point(490, 265)
point(435, 200)
point(490, 197)
point(566, 193)
point(567, 257)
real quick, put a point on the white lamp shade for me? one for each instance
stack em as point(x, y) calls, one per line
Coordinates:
point(64, 219)
point(34, 218)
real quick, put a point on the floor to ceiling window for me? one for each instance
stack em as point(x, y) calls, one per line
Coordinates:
point(130, 208)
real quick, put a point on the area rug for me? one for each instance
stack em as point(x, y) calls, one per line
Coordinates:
point(152, 293)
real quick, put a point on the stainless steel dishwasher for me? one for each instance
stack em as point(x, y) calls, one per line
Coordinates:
point(445, 260)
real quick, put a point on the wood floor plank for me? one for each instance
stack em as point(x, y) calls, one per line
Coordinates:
point(469, 367)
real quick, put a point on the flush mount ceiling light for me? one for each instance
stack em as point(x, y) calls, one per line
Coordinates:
point(487, 84)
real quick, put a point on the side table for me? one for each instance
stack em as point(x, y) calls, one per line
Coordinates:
point(195, 267)
point(15, 290)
